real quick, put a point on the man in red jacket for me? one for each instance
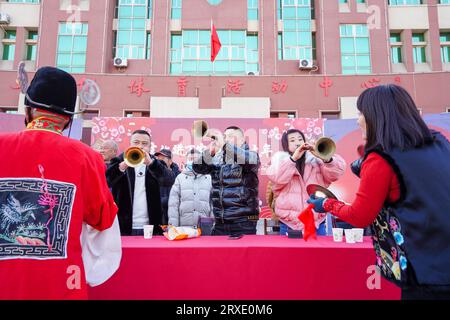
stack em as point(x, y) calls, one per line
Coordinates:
point(49, 186)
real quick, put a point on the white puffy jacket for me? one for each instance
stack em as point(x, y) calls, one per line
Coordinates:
point(189, 199)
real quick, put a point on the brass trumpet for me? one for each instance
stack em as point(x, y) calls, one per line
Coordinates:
point(199, 129)
point(324, 148)
point(134, 157)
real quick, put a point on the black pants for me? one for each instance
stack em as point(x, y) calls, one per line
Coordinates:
point(223, 229)
point(426, 293)
point(415, 291)
point(137, 232)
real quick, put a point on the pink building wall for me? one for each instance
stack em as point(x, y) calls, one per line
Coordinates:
point(303, 94)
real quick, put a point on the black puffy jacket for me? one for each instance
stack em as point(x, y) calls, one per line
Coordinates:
point(234, 175)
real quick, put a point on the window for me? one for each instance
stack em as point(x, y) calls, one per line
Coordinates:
point(252, 9)
point(445, 47)
point(176, 10)
point(314, 46)
point(330, 115)
point(24, 1)
point(355, 49)
point(9, 45)
point(419, 45)
point(190, 53)
point(90, 114)
point(132, 39)
point(283, 114)
point(132, 114)
point(175, 54)
point(72, 46)
point(396, 48)
point(279, 6)
point(8, 110)
point(149, 41)
point(252, 54)
point(344, 6)
point(86, 134)
point(31, 43)
point(404, 2)
point(297, 34)
point(280, 46)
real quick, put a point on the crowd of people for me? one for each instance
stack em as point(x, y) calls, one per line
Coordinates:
point(50, 185)
point(221, 183)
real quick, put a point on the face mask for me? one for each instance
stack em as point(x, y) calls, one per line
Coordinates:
point(189, 165)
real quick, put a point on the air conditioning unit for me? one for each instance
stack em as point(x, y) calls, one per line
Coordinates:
point(4, 18)
point(305, 64)
point(120, 62)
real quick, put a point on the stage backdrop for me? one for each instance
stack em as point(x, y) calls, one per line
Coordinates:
point(262, 135)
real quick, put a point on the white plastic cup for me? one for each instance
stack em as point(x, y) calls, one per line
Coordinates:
point(338, 234)
point(358, 234)
point(260, 227)
point(349, 236)
point(148, 231)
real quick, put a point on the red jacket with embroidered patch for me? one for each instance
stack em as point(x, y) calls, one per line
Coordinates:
point(40, 250)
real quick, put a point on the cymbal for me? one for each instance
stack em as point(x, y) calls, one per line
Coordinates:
point(319, 191)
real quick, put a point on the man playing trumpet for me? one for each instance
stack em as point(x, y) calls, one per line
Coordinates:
point(234, 174)
point(133, 177)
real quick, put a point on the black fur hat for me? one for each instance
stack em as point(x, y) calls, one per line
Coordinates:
point(54, 90)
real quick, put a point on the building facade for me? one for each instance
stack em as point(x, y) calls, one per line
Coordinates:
point(279, 58)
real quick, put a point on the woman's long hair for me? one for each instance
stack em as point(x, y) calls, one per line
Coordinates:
point(392, 119)
point(300, 163)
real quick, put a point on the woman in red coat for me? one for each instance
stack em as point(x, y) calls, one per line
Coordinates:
point(403, 194)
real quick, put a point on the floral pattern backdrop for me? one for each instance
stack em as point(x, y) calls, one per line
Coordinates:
point(262, 135)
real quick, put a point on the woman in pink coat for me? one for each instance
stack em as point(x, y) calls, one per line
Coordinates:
point(291, 171)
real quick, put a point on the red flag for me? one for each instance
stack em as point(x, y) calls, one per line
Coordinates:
point(307, 218)
point(215, 43)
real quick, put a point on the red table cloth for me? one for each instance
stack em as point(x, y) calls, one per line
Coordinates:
point(251, 268)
